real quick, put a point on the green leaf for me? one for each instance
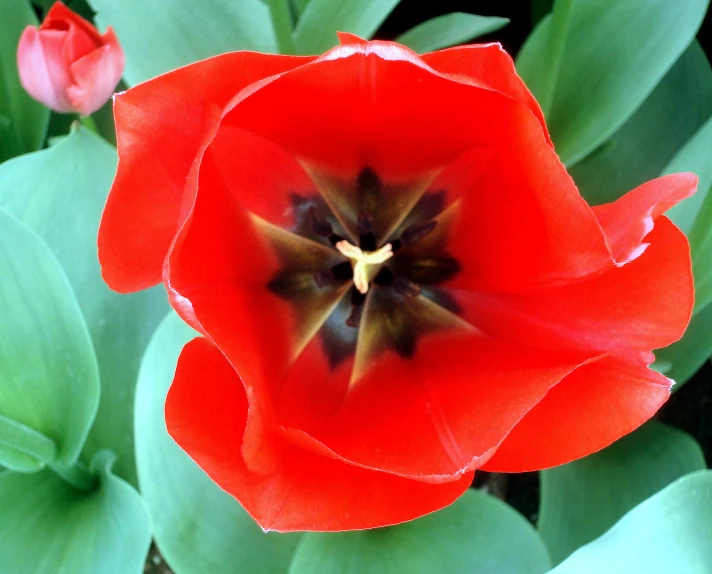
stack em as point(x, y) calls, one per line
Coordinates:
point(49, 527)
point(48, 369)
point(157, 38)
point(694, 215)
point(298, 7)
point(701, 246)
point(639, 151)
point(60, 193)
point(695, 157)
point(670, 532)
point(316, 30)
point(681, 360)
point(282, 23)
point(592, 64)
point(477, 534)
point(197, 526)
point(449, 30)
point(26, 120)
point(583, 499)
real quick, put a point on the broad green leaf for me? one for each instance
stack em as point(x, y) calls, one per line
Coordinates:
point(701, 246)
point(669, 532)
point(449, 30)
point(477, 534)
point(158, 38)
point(694, 215)
point(583, 499)
point(49, 527)
point(681, 360)
point(197, 526)
point(48, 373)
point(24, 120)
point(592, 64)
point(60, 193)
point(639, 151)
point(695, 156)
point(298, 7)
point(316, 30)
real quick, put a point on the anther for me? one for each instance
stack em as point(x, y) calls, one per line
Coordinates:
point(363, 261)
point(417, 231)
point(405, 287)
point(319, 223)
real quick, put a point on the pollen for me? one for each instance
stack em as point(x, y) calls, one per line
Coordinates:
point(365, 263)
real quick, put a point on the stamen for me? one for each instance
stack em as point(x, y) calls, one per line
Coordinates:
point(362, 261)
point(416, 232)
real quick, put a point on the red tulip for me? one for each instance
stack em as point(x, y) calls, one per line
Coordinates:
point(67, 65)
point(396, 280)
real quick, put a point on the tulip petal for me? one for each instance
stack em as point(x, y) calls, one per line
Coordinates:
point(514, 220)
point(222, 262)
point(59, 17)
point(96, 75)
point(40, 64)
point(378, 105)
point(592, 407)
point(488, 66)
point(157, 147)
point(628, 220)
point(205, 414)
point(645, 304)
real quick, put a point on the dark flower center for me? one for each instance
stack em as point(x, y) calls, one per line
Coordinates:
point(373, 287)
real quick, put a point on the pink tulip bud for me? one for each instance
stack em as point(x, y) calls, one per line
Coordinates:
point(67, 65)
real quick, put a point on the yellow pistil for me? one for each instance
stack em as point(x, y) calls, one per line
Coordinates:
point(365, 263)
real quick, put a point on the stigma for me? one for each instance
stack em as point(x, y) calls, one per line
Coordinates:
point(365, 263)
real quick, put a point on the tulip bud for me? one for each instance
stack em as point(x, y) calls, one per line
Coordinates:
point(67, 65)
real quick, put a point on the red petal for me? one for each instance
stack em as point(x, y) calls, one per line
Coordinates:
point(516, 220)
point(379, 105)
point(157, 147)
point(222, 265)
point(646, 304)
point(82, 32)
point(205, 413)
point(346, 38)
point(489, 66)
point(96, 76)
point(442, 411)
point(592, 407)
point(628, 220)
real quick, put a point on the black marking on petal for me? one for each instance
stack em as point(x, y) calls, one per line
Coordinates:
point(367, 239)
point(369, 188)
point(319, 223)
point(343, 271)
point(426, 270)
point(384, 277)
point(338, 339)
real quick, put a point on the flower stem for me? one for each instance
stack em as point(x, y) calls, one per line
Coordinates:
point(282, 22)
point(89, 123)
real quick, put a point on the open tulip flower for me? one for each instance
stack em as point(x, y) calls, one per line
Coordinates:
point(67, 65)
point(395, 279)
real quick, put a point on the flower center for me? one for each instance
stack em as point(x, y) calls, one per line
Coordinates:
point(365, 263)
